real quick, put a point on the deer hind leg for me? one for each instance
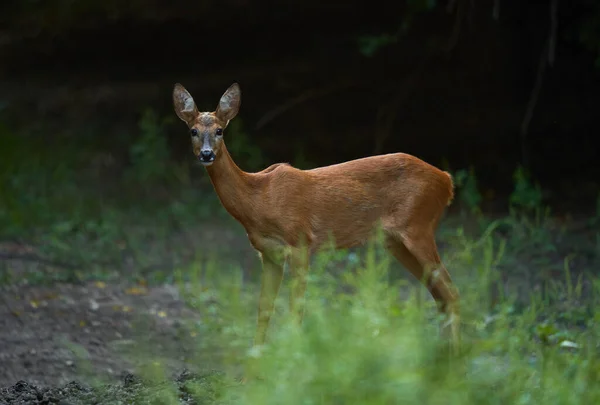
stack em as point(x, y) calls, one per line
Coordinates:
point(418, 253)
point(271, 277)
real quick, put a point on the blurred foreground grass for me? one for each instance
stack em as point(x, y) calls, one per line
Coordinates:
point(372, 338)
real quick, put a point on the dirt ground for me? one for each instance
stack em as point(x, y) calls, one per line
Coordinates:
point(130, 389)
point(71, 344)
point(44, 329)
point(81, 342)
point(54, 333)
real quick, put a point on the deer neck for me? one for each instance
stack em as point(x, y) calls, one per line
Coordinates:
point(235, 188)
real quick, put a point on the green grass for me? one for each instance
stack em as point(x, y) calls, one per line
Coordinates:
point(371, 340)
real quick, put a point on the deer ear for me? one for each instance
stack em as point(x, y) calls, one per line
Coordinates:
point(229, 105)
point(184, 104)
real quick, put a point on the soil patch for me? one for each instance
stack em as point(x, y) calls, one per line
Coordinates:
point(187, 387)
point(52, 335)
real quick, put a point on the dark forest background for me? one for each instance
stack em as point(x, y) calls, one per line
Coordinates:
point(459, 83)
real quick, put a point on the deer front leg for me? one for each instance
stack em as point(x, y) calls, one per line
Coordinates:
point(271, 277)
point(299, 267)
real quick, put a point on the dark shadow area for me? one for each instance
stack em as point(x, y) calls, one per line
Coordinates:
point(450, 87)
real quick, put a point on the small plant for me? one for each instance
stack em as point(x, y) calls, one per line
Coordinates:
point(595, 220)
point(150, 152)
point(529, 219)
point(526, 195)
point(370, 44)
point(468, 191)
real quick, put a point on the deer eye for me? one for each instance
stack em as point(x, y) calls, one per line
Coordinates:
point(219, 131)
point(194, 132)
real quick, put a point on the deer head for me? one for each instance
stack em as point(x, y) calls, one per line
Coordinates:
point(206, 128)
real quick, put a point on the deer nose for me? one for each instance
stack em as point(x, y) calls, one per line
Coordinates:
point(207, 155)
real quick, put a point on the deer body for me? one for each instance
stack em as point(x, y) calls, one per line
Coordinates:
point(288, 213)
point(282, 204)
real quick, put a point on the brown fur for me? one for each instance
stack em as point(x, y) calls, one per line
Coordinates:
point(283, 208)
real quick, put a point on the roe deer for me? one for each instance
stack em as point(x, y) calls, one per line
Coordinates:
point(284, 209)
